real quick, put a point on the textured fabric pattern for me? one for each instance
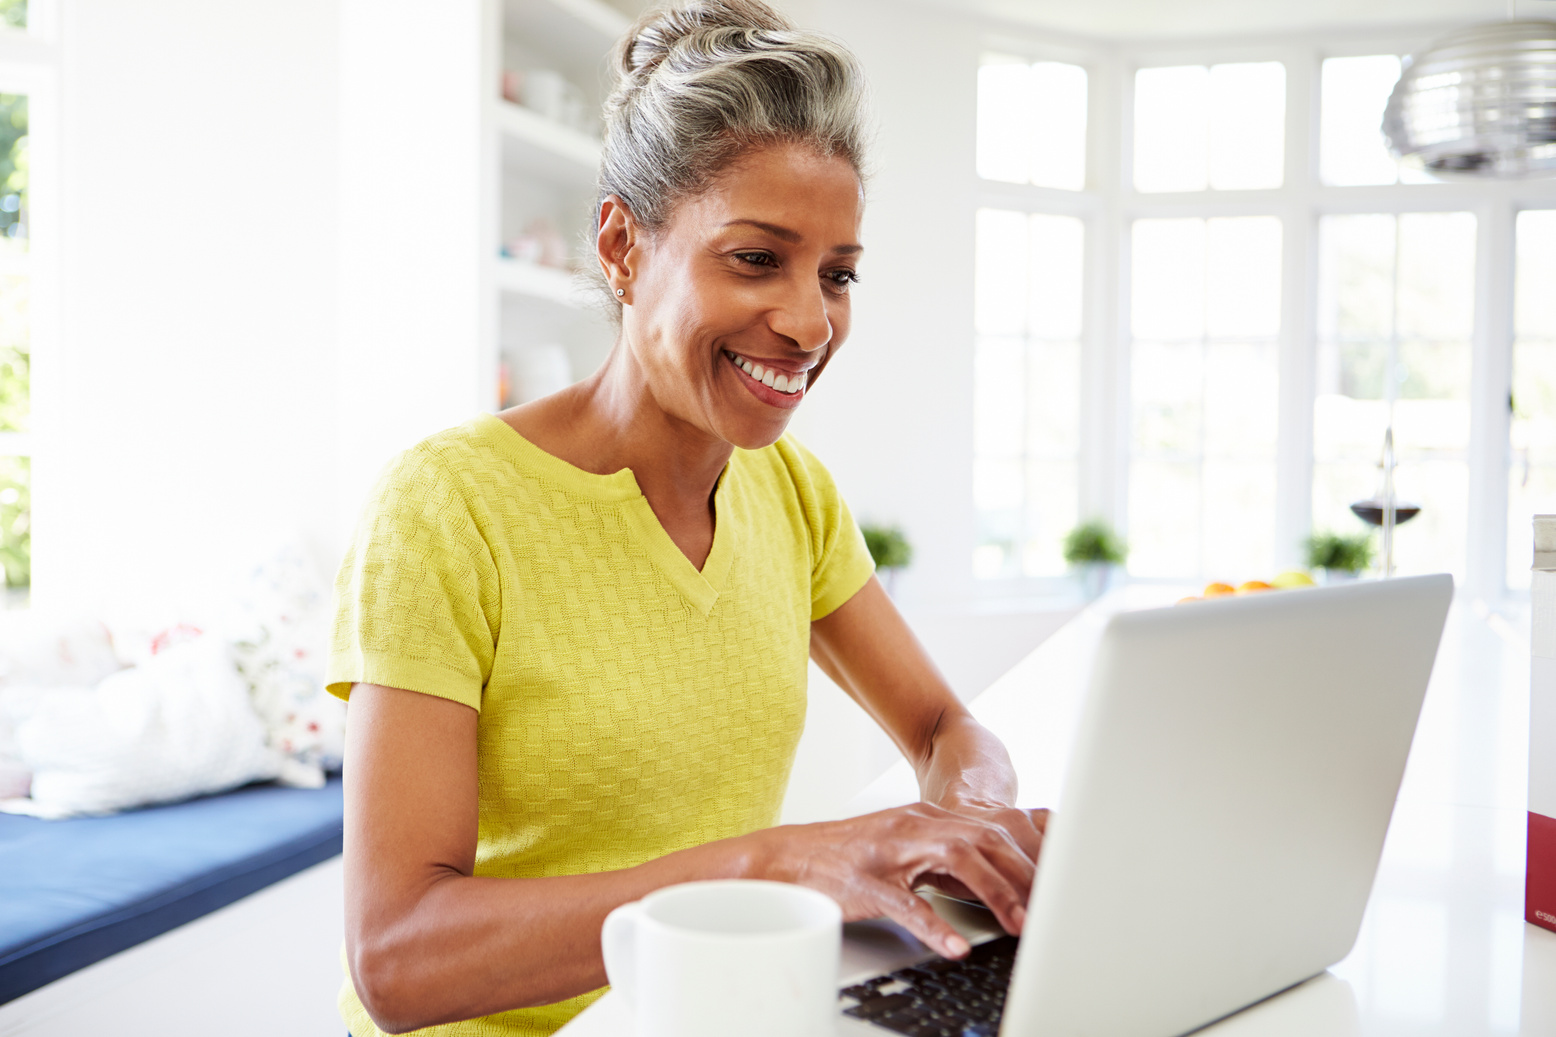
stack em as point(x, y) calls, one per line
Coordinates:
point(630, 705)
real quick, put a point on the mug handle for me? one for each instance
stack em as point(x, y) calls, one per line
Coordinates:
point(618, 945)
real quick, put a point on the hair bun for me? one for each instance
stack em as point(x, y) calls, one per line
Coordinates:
point(658, 30)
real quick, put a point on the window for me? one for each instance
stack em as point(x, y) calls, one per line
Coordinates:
point(1250, 349)
point(1221, 127)
point(1351, 148)
point(1532, 485)
point(1026, 390)
point(1395, 320)
point(1032, 122)
point(15, 339)
point(1028, 302)
point(1205, 312)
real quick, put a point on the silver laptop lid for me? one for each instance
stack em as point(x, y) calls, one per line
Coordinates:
point(1234, 773)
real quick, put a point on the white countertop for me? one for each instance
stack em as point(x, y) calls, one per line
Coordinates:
point(1443, 949)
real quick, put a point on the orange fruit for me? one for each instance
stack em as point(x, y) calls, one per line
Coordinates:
point(1216, 590)
point(1254, 586)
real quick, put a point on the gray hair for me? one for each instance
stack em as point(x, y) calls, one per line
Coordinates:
point(701, 82)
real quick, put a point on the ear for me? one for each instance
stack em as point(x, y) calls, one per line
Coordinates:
point(614, 243)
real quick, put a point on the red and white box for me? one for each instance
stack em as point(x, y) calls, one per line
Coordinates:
point(1540, 879)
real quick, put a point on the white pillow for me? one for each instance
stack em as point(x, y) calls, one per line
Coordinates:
point(179, 725)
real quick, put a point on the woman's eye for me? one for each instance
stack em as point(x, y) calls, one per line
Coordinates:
point(756, 258)
point(842, 278)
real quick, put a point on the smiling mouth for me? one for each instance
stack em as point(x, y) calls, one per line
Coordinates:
point(787, 383)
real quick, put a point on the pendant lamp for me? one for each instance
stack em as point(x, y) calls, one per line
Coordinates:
point(1480, 103)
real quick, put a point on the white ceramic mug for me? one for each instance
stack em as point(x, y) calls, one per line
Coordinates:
point(736, 956)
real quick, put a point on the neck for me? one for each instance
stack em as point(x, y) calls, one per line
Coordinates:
point(614, 422)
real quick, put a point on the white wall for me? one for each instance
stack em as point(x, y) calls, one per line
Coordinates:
point(195, 418)
point(892, 416)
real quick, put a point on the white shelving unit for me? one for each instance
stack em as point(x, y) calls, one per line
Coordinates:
point(541, 172)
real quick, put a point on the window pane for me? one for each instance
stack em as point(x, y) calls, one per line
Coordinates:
point(15, 358)
point(13, 14)
point(13, 170)
point(1243, 277)
point(1053, 399)
point(1239, 505)
point(1052, 511)
point(1032, 122)
point(1059, 126)
point(1356, 286)
point(1436, 275)
point(1163, 518)
point(1166, 383)
point(1247, 125)
point(16, 520)
point(1026, 390)
point(1171, 128)
point(1204, 385)
point(1167, 286)
point(1532, 480)
point(1351, 149)
point(1056, 273)
point(999, 406)
point(1000, 279)
point(1221, 127)
point(1240, 385)
point(1396, 310)
point(1004, 102)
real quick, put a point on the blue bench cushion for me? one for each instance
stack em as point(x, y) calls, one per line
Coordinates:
point(74, 892)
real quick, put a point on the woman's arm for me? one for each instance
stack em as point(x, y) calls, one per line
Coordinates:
point(868, 649)
point(428, 942)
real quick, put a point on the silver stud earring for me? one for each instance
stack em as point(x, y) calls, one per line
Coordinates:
point(620, 292)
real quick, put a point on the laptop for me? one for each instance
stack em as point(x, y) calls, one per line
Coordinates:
point(1234, 772)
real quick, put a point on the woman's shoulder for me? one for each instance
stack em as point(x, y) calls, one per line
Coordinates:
point(461, 464)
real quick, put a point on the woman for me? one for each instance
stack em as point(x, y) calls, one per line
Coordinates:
point(574, 635)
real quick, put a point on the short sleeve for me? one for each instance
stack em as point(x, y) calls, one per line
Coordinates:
point(417, 602)
point(840, 561)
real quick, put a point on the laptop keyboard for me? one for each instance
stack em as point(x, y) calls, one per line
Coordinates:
point(939, 997)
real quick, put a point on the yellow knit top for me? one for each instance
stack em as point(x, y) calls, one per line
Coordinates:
point(630, 705)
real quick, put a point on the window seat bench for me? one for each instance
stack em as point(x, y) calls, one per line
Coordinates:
point(75, 892)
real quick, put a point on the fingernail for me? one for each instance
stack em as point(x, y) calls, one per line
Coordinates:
point(956, 946)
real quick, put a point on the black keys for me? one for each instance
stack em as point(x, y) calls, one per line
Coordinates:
point(940, 997)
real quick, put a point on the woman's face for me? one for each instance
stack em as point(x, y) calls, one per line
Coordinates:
point(733, 307)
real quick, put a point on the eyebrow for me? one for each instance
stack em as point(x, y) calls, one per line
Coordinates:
point(785, 234)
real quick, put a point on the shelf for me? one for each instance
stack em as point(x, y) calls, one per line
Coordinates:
point(576, 34)
point(545, 283)
point(532, 143)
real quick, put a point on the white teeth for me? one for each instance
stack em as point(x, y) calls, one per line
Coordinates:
point(789, 384)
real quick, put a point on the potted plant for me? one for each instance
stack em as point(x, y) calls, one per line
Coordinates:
point(890, 549)
point(1337, 556)
point(1094, 550)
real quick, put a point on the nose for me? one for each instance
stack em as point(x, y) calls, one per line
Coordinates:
point(802, 317)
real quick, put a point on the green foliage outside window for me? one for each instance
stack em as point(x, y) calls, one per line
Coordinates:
point(16, 520)
point(13, 165)
point(13, 13)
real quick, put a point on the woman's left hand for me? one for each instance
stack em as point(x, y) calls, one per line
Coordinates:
point(1025, 828)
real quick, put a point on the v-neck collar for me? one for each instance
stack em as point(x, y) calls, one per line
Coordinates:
point(701, 589)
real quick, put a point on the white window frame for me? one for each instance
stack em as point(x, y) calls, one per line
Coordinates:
point(1110, 204)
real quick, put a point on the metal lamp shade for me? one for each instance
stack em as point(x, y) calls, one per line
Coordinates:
point(1480, 103)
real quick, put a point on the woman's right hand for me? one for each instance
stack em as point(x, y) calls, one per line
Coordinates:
point(871, 865)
